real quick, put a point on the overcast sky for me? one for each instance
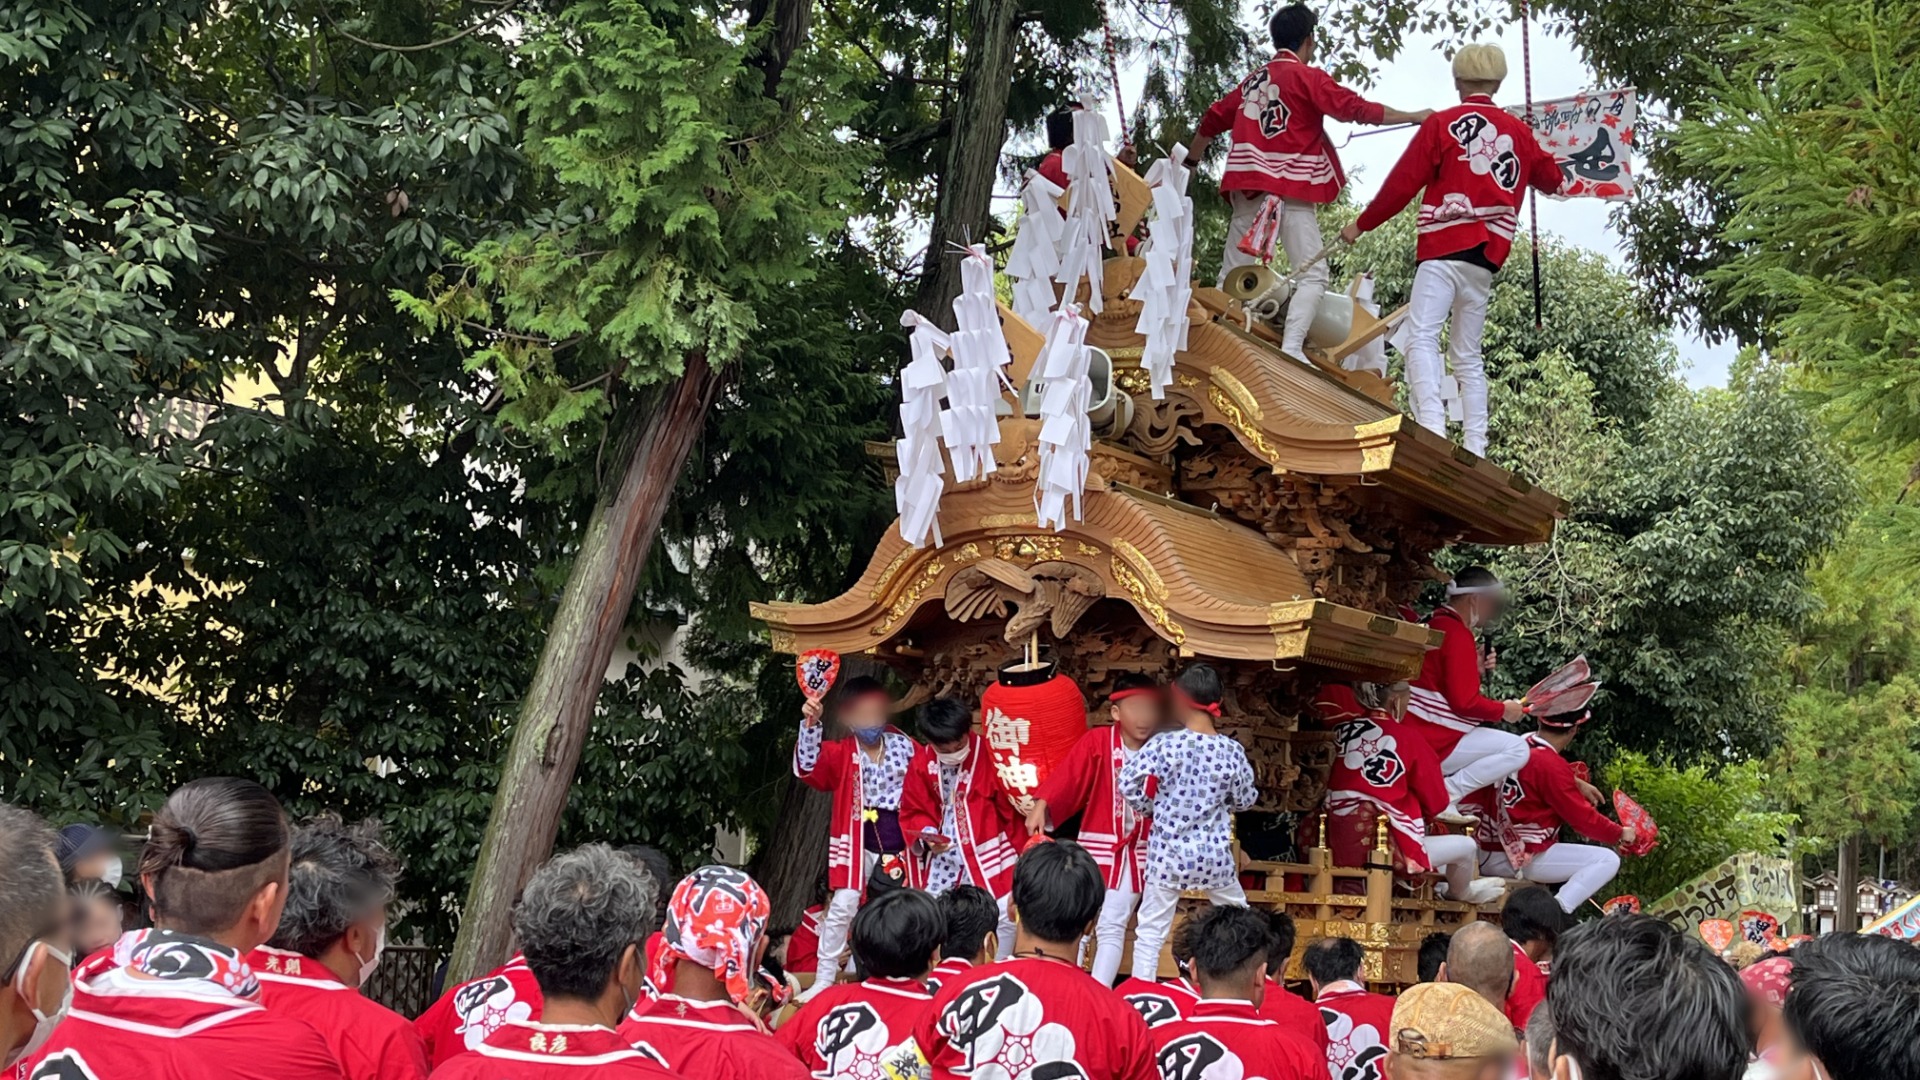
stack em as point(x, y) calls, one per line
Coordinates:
point(1422, 78)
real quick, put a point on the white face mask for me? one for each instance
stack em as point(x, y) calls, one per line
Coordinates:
point(372, 963)
point(957, 757)
point(112, 872)
point(43, 1023)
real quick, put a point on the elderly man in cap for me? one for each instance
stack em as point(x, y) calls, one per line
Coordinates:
point(1445, 1031)
point(1475, 162)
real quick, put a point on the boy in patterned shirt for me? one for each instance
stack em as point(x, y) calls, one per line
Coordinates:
point(1191, 781)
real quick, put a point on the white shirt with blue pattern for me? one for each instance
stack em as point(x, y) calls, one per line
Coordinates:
point(1203, 781)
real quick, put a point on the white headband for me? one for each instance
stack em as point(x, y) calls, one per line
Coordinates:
point(1474, 590)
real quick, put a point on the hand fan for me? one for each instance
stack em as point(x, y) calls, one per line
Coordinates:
point(1635, 817)
point(1759, 927)
point(1625, 904)
point(1717, 933)
point(1560, 702)
point(1565, 677)
point(816, 669)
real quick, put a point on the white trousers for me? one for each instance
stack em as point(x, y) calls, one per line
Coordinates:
point(835, 922)
point(1443, 287)
point(1300, 238)
point(1581, 870)
point(1483, 757)
point(1110, 933)
point(1004, 932)
point(1156, 919)
point(1458, 857)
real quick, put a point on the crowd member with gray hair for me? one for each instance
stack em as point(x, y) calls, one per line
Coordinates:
point(328, 944)
point(36, 985)
point(582, 924)
point(1540, 1043)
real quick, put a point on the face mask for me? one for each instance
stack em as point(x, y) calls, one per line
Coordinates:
point(372, 963)
point(869, 735)
point(43, 1023)
point(957, 757)
point(112, 871)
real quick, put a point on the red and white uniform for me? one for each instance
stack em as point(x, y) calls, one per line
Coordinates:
point(1277, 117)
point(839, 770)
point(851, 1030)
point(523, 1050)
point(1357, 1026)
point(1474, 162)
point(1229, 1040)
point(1529, 989)
point(986, 831)
point(1158, 1002)
point(465, 1015)
point(1086, 782)
point(178, 1007)
point(369, 1040)
point(1296, 1016)
point(1379, 766)
point(1010, 1020)
point(951, 968)
point(709, 1040)
point(1542, 797)
point(1446, 702)
point(803, 948)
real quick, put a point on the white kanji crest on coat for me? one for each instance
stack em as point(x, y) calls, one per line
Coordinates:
point(852, 1042)
point(484, 1006)
point(1366, 748)
point(1200, 1056)
point(1002, 1027)
point(1486, 150)
point(1260, 102)
point(1354, 1051)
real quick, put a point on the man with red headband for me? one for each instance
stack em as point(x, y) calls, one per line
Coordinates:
point(1379, 768)
point(1087, 783)
point(1538, 800)
point(866, 774)
point(710, 950)
point(1446, 705)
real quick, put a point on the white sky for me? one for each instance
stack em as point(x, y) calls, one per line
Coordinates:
point(1422, 78)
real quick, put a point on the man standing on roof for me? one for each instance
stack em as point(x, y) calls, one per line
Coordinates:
point(1277, 119)
point(1446, 705)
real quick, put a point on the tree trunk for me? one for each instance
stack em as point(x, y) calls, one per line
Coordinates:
point(1846, 902)
point(650, 445)
point(979, 128)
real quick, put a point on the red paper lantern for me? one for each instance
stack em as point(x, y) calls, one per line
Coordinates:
point(1030, 728)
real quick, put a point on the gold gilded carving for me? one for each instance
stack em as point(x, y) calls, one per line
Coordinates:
point(1008, 521)
point(1145, 600)
point(1240, 423)
point(1030, 548)
point(1379, 427)
point(1289, 644)
point(1289, 611)
point(782, 640)
point(1376, 458)
point(967, 553)
point(1238, 391)
point(1188, 381)
point(1131, 352)
point(887, 574)
point(1087, 549)
point(1127, 551)
point(1133, 380)
point(910, 597)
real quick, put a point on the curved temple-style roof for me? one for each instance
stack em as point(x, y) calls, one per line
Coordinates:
point(1210, 586)
point(1298, 418)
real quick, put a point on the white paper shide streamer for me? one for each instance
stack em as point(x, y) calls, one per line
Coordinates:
point(1166, 283)
point(1035, 257)
point(1065, 433)
point(980, 359)
point(916, 493)
point(1090, 208)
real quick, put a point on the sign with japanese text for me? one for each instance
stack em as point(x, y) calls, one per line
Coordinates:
point(1591, 136)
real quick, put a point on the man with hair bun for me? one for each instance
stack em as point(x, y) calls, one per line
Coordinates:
point(1223, 1034)
point(180, 1002)
point(582, 923)
point(329, 942)
point(1474, 162)
point(36, 984)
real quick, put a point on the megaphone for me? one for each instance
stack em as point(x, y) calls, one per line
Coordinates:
point(1109, 408)
point(1265, 296)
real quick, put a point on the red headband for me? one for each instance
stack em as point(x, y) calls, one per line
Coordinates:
point(1119, 696)
point(1186, 702)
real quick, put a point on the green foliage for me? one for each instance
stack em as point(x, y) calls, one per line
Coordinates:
point(1850, 763)
point(1704, 814)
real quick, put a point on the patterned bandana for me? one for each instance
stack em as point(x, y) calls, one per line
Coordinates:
point(717, 918)
point(1768, 981)
point(186, 962)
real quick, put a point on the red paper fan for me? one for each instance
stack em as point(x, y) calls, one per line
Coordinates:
point(1759, 927)
point(816, 669)
point(1624, 904)
point(1717, 933)
point(1580, 771)
point(1635, 817)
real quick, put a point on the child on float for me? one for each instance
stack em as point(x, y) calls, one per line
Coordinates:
point(959, 813)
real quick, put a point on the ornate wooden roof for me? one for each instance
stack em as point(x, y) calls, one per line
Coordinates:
point(1301, 419)
point(1208, 585)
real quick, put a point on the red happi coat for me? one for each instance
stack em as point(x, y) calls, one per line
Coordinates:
point(369, 1040)
point(125, 1025)
point(1529, 989)
point(991, 832)
point(708, 1040)
point(1158, 1002)
point(1277, 116)
point(803, 948)
point(850, 1030)
point(1019, 1017)
point(1086, 782)
point(951, 967)
point(1220, 1038)
point(1296, 1015)
point(838, 771)
point(1475, 162)
point(522, 1050)
point(1539, 799)
point(465, 1015)
point(1380, 764)
point(1446, 701)
point(1357, 1026)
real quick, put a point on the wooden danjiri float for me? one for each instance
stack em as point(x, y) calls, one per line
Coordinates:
point(1268, 516)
